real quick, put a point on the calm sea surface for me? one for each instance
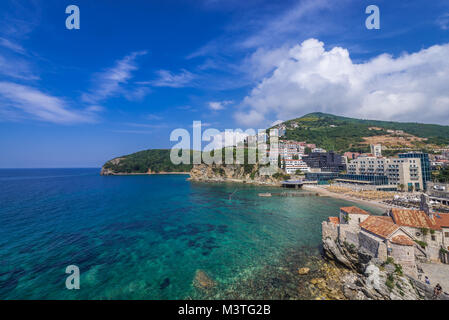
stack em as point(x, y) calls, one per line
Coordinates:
point(145, 237)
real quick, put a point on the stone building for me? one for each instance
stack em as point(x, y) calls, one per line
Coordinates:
point(383, 238)
point(422, 227)
point(352, 215)
point(429, 229)
point(378, 236)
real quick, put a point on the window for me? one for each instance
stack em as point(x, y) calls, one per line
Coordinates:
point(433, 238)
point(446, 234)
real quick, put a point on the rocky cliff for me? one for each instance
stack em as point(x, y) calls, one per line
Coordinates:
point(236, 173)
point(371, 279)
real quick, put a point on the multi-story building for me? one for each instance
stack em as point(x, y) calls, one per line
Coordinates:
point(291, 150)
point(425, 164)
point(326, 161)
point(291, 166)
point(376, 150)
point(399, 171)
point(321, 150)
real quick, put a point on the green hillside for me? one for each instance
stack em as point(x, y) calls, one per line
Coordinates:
point(346, 134)
point(156, 160)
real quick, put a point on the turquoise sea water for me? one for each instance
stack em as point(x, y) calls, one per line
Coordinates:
point(145, 237)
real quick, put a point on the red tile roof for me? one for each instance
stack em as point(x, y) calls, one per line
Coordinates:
point(353, 210)
point(402, 240)
point(379, 226)
point(334, 220)
point(413, 218)
point(442, 220)
point(386, 218)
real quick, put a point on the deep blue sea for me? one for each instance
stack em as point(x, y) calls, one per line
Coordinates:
point(145, 237)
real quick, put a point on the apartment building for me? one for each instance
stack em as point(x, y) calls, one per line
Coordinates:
point(376, 150)
point(399, 171)
point(291, 166)
point(291, 150)
point(326, 161)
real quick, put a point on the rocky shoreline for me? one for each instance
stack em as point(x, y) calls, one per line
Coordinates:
point(233, 173)
point(367, 278)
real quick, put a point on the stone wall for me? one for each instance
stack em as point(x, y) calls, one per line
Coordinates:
point(433, 246)
point(348, 232)
point(405, 256)
point(369, 243)
point(329, 230)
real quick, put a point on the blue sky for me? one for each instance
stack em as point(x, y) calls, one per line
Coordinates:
point(137, 70)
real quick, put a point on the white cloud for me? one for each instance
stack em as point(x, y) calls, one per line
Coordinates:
point(19, 101)
point(275, 123)
point(308, 78)
point(215, 105)
point(170, 79)
point(112, 81)
point(443, 21)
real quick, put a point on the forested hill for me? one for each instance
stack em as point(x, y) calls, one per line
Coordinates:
point(348, 134)
point(155, 161)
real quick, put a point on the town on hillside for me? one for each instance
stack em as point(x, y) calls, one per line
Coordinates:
point(410, 171)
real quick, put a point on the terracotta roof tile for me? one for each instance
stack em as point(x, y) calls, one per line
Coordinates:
point(334, 220)
point(412, 218)
point(386, 218)
point(354, 210)
point(442, 220)
point(402, 240)
point(379, 226)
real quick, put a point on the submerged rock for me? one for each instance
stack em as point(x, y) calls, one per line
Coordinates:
point(303, 271)
point(203, 281)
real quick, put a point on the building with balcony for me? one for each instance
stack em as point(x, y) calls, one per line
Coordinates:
point(404, 172)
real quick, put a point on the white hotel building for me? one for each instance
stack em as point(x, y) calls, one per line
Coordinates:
point(405, 171)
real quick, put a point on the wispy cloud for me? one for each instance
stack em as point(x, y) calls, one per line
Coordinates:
point(169, 79)
point(112, 81)
point(443, 21)
point(24, 102)
point(12, 45)
point(187, 108)
point(134, 131)
point(147, 125)
point(20, 17)
point(216, 105)
point(16, 68)
point(153, 117)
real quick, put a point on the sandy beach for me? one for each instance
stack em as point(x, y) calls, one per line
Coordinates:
point(323, 191)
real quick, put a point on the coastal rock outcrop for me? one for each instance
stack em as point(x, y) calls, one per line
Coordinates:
point(106, 170)
point(368, 278)
point(234, 173)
